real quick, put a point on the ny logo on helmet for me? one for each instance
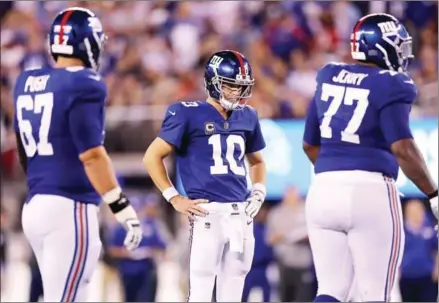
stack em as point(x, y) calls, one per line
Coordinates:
point(216, 61)
point(388, 27)
point(95, 24)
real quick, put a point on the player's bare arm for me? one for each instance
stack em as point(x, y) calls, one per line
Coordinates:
point(100, 172)
point(99, 169)
point(311, 137)
point(153, 161)
point(22, 158)
point(258, 173)
point(258, 170)
point(311, 151)
point(413, 165)
point(394, 119)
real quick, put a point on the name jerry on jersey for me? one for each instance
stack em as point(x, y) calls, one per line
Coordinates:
point(346, 77)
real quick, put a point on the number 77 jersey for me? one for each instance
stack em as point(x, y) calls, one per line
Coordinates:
point(210, 150)
point(357, 112)
point(59, 114)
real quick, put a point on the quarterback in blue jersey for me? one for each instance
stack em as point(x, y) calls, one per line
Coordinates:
point(59, 124)
point(211, 140)
point(357, 136)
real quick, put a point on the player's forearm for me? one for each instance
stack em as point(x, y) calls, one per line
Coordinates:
point(413, 165)
point(99, 169)
point(157, 170)
point(311, 151)
point(258, 173)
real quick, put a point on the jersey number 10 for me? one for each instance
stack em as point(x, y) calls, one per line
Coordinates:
point(219, 168)
point(41, 104)
point(347, 96)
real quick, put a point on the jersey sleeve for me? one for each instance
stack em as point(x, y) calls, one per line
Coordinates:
point(311, 134)
point(255, 141)
point(394, 111)
point(87, 113)
point(174, 126)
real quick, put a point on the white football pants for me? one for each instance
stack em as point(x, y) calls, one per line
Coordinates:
point(222, 246)
point(355, 225)
point(64, 236)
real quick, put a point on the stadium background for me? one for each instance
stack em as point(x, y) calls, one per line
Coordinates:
point(155, 55)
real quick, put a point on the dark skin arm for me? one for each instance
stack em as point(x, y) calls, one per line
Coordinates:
point(311, 151)
point(413, 164)
point(21, 153)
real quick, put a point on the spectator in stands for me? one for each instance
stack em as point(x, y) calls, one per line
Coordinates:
point(419, 269)
point(287, 232)
point(137, 268)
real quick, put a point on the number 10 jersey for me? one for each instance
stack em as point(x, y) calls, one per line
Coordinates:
point(59, 114)
point(210, 150)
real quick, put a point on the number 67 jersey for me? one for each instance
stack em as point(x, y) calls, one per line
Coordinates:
point(347, 117)
point(59, 114)
point(210, 150)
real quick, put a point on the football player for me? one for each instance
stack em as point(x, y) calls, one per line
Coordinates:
point(357, 136)
point(211, 140)
point(59, 124)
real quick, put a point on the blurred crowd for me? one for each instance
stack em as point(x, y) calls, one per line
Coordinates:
point(155, 55)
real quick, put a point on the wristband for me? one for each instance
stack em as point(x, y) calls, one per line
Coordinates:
point(112, 195)
point(259, 187)
point(116, 200)
point(170, 193)
point(433, 195)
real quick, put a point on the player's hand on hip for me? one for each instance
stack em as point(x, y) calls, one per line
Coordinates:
point(134, 234)
point(189, 207)
point(254, 203)
point(434, 206)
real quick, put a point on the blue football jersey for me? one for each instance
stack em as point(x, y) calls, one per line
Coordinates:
point(59, 113)
point(210, 150)
point(358, 111)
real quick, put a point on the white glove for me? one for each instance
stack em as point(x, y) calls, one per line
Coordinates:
point(434, 206)
point(126, 215)
point(129, 220)
point(134, 234)
point(255, 200)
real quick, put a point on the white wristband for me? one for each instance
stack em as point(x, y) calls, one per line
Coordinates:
point(170, 193)
point(112, 195)
point(259, 187)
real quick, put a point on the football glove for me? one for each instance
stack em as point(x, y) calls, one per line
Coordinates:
point(134, 234)
point(126, 215)
point(254, 202)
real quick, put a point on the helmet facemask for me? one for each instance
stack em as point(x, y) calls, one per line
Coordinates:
point(234, 94)
point(403, 45)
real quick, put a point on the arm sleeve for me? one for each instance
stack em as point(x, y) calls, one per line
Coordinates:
point(311, 133)
point(255, 141)
point(173, 126)
point(395, 111)
point(87, 116)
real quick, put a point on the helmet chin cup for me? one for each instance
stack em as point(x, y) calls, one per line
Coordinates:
point(227, 105)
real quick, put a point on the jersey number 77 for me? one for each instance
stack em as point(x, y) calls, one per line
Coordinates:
point(347, 96)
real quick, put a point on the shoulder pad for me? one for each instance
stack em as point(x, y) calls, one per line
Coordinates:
point(89, 85)
point(400, 87)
